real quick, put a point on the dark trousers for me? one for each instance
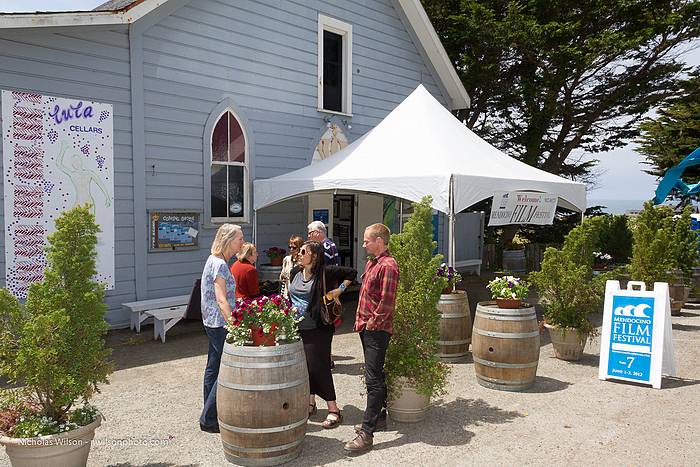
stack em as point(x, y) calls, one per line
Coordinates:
point(317, 347)
point(374, 345)
point(217, 337)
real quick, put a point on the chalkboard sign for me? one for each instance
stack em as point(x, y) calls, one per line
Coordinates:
point(174, 230)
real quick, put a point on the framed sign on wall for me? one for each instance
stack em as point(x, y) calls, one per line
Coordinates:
point(173, 230)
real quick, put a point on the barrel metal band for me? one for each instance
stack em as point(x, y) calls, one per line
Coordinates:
point(251, 365)
point(505, 318)
point(262, 461)
point(452, 315)
point(262, 387)
point(452, 355)
point(506, 311)
point(282, 447)
point(507, 382)
point(460, 342)
point(262, 351)
point(507, 335)
point(274, 429)
point(505, 365)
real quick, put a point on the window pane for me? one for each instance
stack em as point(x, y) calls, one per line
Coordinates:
point(219, 140)
point(235, 191)
point(332, 71)
point(237, 140)
point(218, 191)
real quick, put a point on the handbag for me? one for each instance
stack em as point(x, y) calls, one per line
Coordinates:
point(331, 309)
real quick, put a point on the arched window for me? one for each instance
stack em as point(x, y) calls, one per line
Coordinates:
point(229, 170)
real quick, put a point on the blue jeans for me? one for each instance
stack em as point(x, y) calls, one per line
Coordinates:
point(217, 337)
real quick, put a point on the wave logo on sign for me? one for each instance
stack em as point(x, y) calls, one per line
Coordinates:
point(638, 311)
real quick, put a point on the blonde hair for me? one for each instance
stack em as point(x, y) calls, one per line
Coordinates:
point(379, 231)
point(247, 250)
point(224, 235)
point(296, 240)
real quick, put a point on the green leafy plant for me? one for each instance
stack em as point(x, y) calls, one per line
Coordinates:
point(264, 315)
point(54, 345)
point(412, 353)
point(653, 236)
point(508, 287)
point(448, 275)
point(566, 283)
point(275, 252)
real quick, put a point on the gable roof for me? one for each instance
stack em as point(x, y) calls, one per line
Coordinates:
point(115, 12)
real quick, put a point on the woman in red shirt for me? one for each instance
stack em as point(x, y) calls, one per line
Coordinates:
point(244, 272)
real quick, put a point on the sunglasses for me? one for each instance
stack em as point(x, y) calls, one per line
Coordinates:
point(303, 251)
point(292, 247)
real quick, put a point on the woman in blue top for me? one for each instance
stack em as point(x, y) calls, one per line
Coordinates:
point(218, 302)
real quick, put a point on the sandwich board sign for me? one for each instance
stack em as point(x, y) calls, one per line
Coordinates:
point(635, 342)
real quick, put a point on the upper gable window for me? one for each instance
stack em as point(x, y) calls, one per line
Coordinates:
point(334, 65)
point(229, 171)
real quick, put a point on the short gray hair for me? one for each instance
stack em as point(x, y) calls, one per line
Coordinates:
point(317, 225)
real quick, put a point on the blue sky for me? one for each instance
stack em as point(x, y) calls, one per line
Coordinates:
point(621, 175)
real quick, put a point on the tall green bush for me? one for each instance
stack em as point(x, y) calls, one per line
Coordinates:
point(615, 238)
point(54, 345)
point(654, 255)
point(412, 352)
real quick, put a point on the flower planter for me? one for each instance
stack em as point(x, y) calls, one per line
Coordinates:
point(276, 261)
point(509, 303)
point(71, 448)
point(446, 291)
point(409, 406)
point(261, 339)
point(567, 343)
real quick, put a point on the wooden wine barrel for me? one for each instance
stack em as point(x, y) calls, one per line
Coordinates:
point(455, 326)
point(514, 261)
point(262, 402)
point(505, 346)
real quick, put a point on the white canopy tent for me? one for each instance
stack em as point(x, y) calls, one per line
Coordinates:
point(420, 149)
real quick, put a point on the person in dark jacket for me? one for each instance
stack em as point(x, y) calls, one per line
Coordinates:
point(244, 272)
point(306, 291)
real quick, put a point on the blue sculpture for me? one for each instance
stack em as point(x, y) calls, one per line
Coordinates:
point(672, 180)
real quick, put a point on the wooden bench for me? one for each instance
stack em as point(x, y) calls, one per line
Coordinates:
point(138, 309)
point(165, 318)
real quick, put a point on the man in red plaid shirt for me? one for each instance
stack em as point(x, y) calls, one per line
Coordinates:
point(374, 319)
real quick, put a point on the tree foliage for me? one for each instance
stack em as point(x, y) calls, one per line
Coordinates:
point(674, 132)
point(412, 352)
point(54, 345)
point(549, 78)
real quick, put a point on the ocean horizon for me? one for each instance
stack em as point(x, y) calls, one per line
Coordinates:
point(617, 206)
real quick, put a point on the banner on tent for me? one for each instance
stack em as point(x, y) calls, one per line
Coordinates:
point(635, 342)
point(522, 207)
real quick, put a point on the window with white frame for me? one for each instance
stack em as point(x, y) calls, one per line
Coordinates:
point(334, 65)
point(229, 171)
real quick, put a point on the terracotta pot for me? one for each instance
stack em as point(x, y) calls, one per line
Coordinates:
point(446, 290)
point(509, 302)
point(262, 339)
point(71, 448)
point(567, 343)
point(276, 261)
point(409, 406)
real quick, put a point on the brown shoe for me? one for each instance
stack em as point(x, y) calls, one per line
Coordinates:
point(381, 426)
point(361, 443)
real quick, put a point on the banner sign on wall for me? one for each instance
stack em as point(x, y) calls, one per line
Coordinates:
point(57, 154)
point(636, 340)
point(174, 230)
point(522, 207)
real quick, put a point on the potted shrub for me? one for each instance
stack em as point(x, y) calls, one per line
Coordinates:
point(53, 346)
point(276, 255)
point(508, 291)
point(263, 321)
point(569, 290)
point(414, 373)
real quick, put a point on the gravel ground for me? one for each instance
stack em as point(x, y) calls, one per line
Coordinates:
point(568, 418)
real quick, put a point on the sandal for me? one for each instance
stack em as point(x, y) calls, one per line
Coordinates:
point(329, 423)
point(312, 410)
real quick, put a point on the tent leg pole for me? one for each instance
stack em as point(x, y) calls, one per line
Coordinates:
point(451, 257)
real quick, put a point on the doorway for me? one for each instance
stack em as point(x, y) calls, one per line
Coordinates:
point(344, 228)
